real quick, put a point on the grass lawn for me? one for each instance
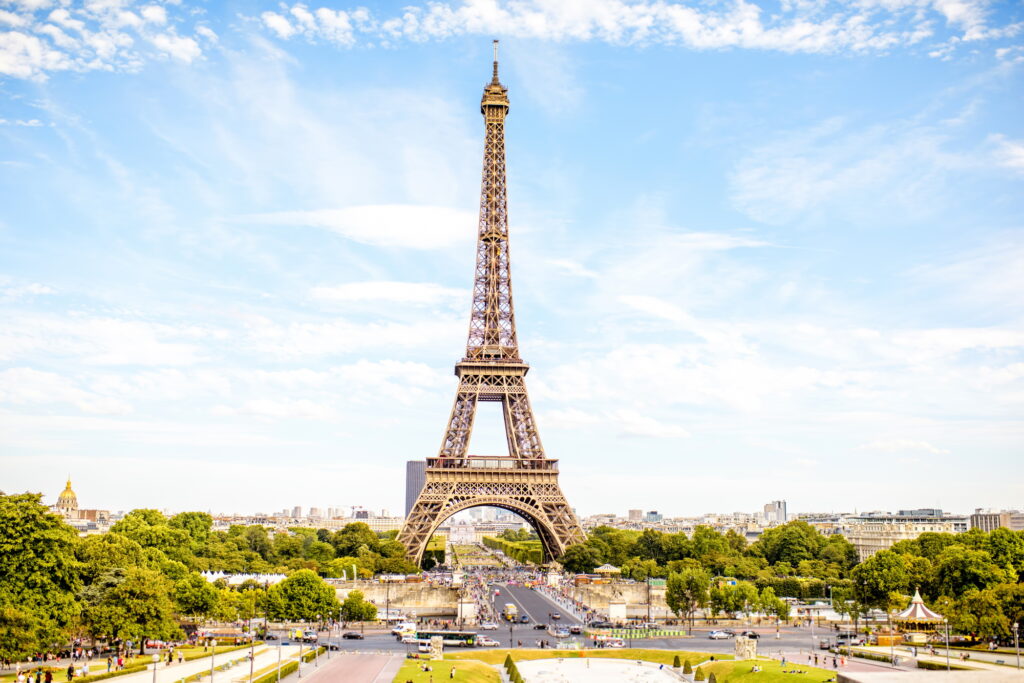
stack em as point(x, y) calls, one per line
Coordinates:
point(497, 655)
point(468, 671)
point(771, 670)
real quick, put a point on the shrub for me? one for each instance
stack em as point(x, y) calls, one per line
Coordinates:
point(687, 668)
point(675, 662)
point(712, 679)
point(286, 670)
point(700, 675)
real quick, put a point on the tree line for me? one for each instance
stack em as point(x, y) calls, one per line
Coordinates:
point(141, 580)
point(973, 578)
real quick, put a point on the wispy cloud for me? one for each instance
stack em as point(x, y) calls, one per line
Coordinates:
point(902, 446)
point(416, 293)
point(412, 227)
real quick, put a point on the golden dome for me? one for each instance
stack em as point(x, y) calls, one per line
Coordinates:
point(67, 500)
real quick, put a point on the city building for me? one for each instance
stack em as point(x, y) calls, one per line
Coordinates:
point(315, 513)
point(635, 515)
point(990, 520)
point(297, 512)
point(775, 512)
point(84, 520)
point(415, 477)
point(653, 516)
point(874, 531)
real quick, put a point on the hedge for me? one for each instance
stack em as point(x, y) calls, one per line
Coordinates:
point(798, 586)
point(936, 666)
point(527, 552)
point(289, 668)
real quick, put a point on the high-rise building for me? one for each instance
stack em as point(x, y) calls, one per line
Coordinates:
point(315, 513)
point(775, 511)
point(415, 477)
point(653, 516)
point(990, 520)
point(636, 515)
point(297, 512)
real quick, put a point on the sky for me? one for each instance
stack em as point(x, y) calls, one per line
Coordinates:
point(760, 250)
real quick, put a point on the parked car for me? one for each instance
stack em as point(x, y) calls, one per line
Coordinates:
point(601, 624)
point(409, 638)
point(488, 626)
point(352, 635)
point(720, 635)
point(486, 641)
point(561, 633)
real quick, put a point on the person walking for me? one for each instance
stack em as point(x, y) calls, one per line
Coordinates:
point(71, 672)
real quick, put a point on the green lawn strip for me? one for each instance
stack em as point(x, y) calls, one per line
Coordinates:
point(468, 671)
point(497, 656)
point(133, 665)
point(771, 670)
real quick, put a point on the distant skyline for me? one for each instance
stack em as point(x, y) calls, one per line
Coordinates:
point(759, 250)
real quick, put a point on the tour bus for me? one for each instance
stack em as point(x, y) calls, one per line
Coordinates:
point(449, 638)
point(510, 611)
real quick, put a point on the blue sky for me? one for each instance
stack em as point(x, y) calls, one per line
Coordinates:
point(759, 251)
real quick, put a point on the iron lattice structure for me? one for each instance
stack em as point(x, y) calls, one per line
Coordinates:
point(525, 481)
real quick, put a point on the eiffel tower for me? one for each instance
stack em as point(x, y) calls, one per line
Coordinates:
point(525, 481)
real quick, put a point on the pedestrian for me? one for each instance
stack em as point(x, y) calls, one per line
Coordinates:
point(180, 656)
point(48, 677)
point(71, 672)
point(451, 674)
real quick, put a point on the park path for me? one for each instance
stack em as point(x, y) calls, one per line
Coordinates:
point(351, 668)
point(175, 672)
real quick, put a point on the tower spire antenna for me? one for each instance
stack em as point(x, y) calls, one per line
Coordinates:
point(494, 79)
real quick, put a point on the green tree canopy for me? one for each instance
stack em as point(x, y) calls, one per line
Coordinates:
point(301, 597)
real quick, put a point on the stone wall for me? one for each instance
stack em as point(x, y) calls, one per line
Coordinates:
point(596, 596)
point(423, 598)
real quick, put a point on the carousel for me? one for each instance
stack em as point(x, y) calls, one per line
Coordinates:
point(917, 621)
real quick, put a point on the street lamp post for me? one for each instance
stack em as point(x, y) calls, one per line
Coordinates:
point(316, 645)
point(945, 621)
point(213, 652)
point(1016, 642)
point(156, 662)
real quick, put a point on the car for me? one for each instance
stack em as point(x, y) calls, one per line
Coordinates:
point(540, 627)
point(602, 624)
point(270, 636)
point(751, 634)
point(576, 629)
point(403, 627)
point(524, 619)
point(561, 633)
point(352, 635)
point(485, 641)
point(488, 626)
point(720, 635)
point(408, 638)
point(556, 615)
point(332, 646)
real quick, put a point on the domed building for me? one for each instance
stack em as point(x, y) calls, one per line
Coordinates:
point(67, 502)
point(86, 521)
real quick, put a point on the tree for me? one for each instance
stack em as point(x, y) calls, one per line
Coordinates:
point(686, 591)
point(102, 552)
point(580, 559)
point(195, 596)
point(959, 569)
point(130, 604)
point(356, 608)
point(196, 524)
point(877, 578)
point(746, 597)
point(301, 597)
point(40, 576)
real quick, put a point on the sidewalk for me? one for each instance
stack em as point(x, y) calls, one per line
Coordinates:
point(265, 656)
point(905, 656)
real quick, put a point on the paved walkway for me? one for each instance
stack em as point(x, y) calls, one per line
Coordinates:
point(909, 660)
point(265, 656)
point(350, 668)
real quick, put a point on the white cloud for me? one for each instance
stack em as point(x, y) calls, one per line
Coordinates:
point(181, 48)
point(902, 446)
point(154, 14)
point(797, 27)
point(632, 423)
point(15, 292)
point(417, 293)
point(1009, 153)
point(413, 227)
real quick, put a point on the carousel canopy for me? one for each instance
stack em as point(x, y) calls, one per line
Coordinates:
point(917, 612)
point(606, 569)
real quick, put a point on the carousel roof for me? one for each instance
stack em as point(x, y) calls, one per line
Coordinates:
point(917, 611)
point(606, 569)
